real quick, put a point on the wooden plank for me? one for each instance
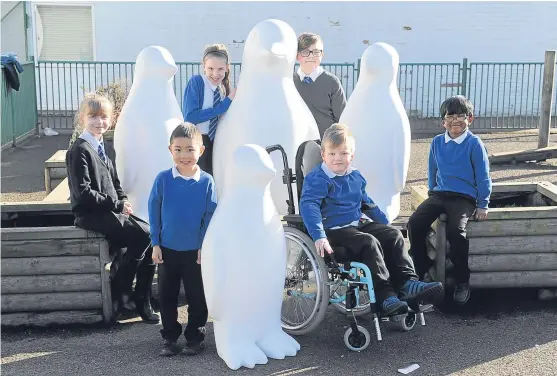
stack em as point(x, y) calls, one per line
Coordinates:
point(540, 154)
point(418, 195)
point(50, 265)
point(51, 302)
point(547, 189)
point(60, 194)
point(105, 261)
point(512, 227)
point(546, 278)
point(54, 232)
point(513, 244)
point(50, 247)
point(50, 318)
point(51, 283)
point(34, 206)
point(58, 159)
point(505, 187)
point(513, 262)
point(522, 213)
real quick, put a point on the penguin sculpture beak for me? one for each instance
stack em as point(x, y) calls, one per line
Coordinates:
point(279, 49)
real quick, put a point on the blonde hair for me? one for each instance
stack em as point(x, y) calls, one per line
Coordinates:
point(306, 40)
point(219, 50)
point(92, 104)
point(338, 135)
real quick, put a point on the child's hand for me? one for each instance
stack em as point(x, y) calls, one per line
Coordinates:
point(323, 245)
point(157, 255)
point(199, 256)
point(127, 208)
point(481, 214)
point(232, 94)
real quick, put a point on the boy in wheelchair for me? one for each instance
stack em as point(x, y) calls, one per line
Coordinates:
point(337, 212)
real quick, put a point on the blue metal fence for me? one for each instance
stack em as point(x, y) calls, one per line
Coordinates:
point(505, 95)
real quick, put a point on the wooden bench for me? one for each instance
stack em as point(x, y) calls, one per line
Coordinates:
point(55, 170)
point(514, 247)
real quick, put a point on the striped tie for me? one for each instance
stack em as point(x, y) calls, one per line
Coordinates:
point(215, 120)
point(307, 80)
point(101, 152)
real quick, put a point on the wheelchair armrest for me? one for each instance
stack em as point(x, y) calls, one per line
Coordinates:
point(293, 218)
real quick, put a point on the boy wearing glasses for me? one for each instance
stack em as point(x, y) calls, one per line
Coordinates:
point(459, 185)
point(320, 89)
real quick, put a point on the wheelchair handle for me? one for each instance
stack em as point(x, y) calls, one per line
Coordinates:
point(287, 177)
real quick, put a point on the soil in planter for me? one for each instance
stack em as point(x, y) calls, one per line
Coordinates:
point(519, 200)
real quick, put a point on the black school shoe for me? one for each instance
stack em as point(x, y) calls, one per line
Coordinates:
point(193, 348)
point(170, 348)
point(461, 293)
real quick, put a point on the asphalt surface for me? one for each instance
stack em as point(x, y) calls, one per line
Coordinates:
point(502, 332)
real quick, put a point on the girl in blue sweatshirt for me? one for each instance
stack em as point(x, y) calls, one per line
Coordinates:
point(459, 185)
point(207, 97)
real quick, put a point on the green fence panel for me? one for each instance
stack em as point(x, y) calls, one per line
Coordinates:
point(19, 108)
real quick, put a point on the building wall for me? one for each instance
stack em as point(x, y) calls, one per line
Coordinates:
point(13, 28)
point(421, 32)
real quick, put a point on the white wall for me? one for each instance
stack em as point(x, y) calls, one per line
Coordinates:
point(440, 31)
point(13, 28)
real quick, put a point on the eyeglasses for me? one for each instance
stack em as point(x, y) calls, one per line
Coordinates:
point(316, 53)
point(459, 117)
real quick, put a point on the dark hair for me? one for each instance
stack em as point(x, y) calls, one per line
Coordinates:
point(220, 51)
point(187, 130)
point(455, 105)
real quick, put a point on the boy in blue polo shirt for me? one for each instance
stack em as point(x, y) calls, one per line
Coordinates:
point(459, 185)
point(337, 212)
point(181, 204)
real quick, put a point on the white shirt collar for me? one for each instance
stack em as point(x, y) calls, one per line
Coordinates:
point(91, 140)
point(206, 79)
point(332, 174)
point(313, 75)
point(176, 174)
point(459, 139)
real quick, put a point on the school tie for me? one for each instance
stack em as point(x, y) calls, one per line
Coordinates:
point(215, 120)
point(307, 80)
point(101, 152)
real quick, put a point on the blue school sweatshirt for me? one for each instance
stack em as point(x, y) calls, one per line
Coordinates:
point(192, 107)
point(180, 210)
point(329, 202)
point(461, 168)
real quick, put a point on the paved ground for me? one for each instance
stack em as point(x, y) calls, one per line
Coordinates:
point(505, 333)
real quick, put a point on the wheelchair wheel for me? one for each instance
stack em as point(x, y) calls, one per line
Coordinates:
point(357, 341)
point(408, 322)
point(305, 296)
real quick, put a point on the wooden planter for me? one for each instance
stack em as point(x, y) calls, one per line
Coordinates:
point(54, 275)
point(514, 247)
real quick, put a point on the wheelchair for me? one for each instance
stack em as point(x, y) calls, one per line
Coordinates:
point(312, 283)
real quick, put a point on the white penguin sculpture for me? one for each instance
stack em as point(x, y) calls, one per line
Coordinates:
point(377, 118)
point(243, 263)
point(142, 134)
point(267, 109)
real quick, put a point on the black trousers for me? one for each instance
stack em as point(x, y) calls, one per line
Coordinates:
point(124, 232)
point(206, 160)
point(380, 247)
point(459, 208)
point(181, 267)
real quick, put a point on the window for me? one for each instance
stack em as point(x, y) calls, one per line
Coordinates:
point(64, 32)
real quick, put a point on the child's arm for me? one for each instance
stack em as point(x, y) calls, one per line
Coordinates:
point(371, 209)
point(314, 190)
point(192, 110)
point(210, 206)
point(155, 211)
point(80, 183)
point(118, 187)
point(338, 101)
point(480, 164)
point(432, 169)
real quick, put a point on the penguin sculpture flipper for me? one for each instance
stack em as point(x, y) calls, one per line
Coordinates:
point(214, 277)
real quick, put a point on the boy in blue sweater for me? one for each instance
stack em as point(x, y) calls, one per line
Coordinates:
point(181, 204)
point(459, 185)
point(337, 212)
